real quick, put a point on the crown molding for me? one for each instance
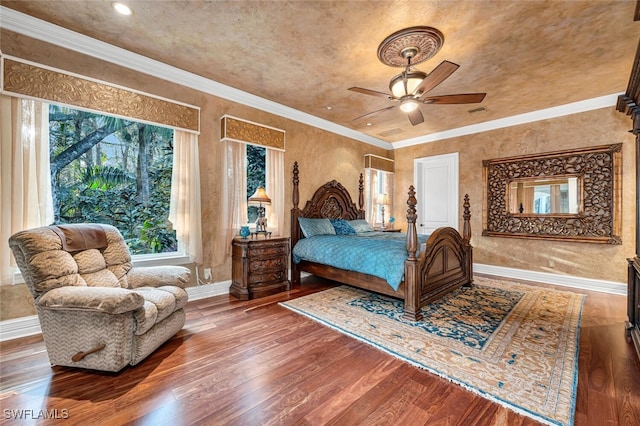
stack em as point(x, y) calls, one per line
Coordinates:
point(515, 120)
point(41, 30)
point(36, 28)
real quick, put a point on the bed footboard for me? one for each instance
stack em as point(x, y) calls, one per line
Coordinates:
point(445, 265)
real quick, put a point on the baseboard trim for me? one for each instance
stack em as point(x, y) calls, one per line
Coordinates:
point(581, 283)
point(19, 327)
point(208, 290)
point(28, 326)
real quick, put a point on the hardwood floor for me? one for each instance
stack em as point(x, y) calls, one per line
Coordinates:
point(257, 363)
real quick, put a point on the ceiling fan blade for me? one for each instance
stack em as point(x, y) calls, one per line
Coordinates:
point(463, 98)
point(437, 76)
point(370, 114)
point(371, 92)
point(416, 117)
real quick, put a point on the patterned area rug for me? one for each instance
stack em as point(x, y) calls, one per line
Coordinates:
point(514, 344)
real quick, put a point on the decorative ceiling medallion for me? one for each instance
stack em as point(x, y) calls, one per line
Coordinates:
point(424, 41)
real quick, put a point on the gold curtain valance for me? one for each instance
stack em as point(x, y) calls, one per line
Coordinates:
point(21, 78)
point(379, 163)
point(239, 130)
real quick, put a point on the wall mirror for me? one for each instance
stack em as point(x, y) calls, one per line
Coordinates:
point(572, 195)
point(558, 195)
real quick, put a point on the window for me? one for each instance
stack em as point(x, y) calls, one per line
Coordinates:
point(379, 184)
point(383, 201)
point(75, 153)
point(114, 171)
point(253, 155)
point(379, 187)
point(236, 186)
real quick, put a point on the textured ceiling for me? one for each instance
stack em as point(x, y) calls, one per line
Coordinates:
point(526, 55)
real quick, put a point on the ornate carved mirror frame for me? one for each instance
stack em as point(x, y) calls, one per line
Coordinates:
point(599, 170)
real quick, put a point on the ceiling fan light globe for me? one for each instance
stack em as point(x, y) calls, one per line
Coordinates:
point(409, 105)
point(414, 78)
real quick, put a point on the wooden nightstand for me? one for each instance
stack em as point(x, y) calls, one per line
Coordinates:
point(259, 267)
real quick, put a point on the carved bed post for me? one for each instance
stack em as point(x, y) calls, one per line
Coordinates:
point(361, 198)
point(466, 236)
point(466, 230)
point(295, 197)
point(412, 292)
point(295, 229)
point(412, 233)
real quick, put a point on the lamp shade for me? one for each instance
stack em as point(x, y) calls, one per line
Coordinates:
point(383, 199)
point(260, 197)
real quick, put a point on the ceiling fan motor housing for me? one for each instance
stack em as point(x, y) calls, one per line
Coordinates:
point(406, 83)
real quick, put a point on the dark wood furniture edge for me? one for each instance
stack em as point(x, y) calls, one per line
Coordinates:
point(629, 104)
point(633, 304)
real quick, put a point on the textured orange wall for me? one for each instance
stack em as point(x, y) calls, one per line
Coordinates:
point(322, 155)
point(598, 127)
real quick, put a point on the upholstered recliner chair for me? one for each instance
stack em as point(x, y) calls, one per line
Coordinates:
point(95, 310)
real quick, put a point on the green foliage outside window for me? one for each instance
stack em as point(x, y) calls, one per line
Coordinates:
point(256, 165)
point(114, 171)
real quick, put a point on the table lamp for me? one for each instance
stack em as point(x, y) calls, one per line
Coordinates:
point(383, 200)
point(259, 198)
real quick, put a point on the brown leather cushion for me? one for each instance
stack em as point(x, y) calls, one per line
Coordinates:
point(77, 237)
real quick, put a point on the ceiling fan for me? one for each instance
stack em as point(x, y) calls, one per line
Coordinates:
point(411, 87)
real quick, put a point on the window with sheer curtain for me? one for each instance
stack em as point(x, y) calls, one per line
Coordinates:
point(378, 187)
point(239, 183)
point(96, 182)
point(378, 191)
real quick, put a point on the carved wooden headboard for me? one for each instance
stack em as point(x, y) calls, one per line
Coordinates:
point(331, 201)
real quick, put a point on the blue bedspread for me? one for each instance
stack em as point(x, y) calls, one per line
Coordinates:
point(381, 254)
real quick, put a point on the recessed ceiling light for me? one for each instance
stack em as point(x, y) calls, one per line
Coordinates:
point(329, 107)
point(369, 124)
point(122, 8)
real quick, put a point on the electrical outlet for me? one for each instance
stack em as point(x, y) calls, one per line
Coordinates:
point(207, 274)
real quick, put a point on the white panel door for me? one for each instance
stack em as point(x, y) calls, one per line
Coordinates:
point(436, 182)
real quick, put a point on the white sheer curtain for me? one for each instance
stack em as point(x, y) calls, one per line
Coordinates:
point(184, 207)
point(370, 195)
point(274, 185)
point(25, 180)
point(233, 211)
point(377, 182)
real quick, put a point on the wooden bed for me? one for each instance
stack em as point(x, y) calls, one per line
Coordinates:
point(445, 265)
